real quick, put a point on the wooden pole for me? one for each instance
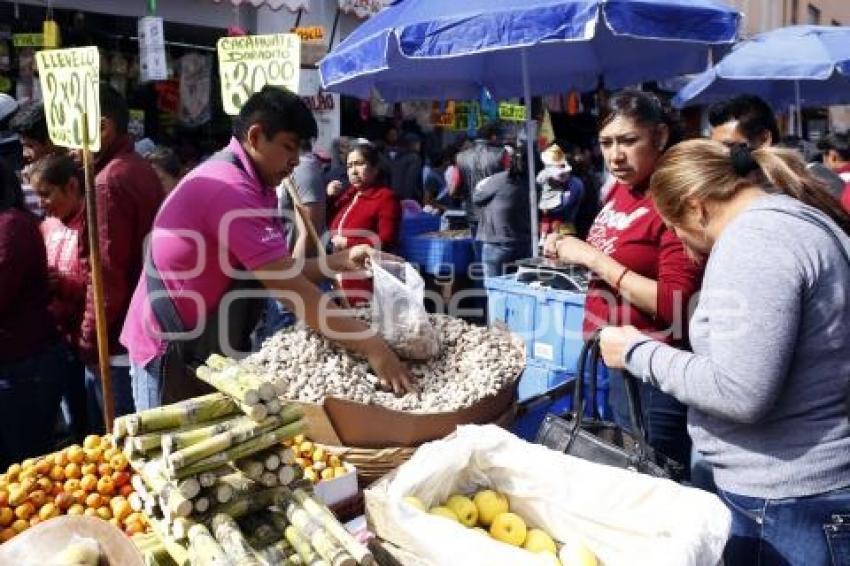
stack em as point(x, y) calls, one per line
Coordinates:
point(97, 282)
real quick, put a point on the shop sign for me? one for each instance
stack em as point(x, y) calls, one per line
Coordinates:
point(363, 8)
point(28, 39)
point(248, 63)
point(311, 33)
point(69, 85)
point(511, 112)
point(152, 63)
point(325, 107)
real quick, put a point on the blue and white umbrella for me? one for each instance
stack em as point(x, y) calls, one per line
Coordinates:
point(452, 49)
point(797, 65)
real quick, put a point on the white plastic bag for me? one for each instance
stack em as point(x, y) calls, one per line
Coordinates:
point(398, 310)
point(625, 518)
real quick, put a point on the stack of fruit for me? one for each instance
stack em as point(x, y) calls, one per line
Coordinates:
point(93, 479)
point(488, 512)
point(316, 462)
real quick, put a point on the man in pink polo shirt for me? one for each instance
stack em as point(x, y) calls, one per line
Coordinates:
point(220, 228)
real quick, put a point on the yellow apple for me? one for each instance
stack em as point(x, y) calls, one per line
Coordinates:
point(441, 511)
point(464, 508)
point(509, 528)
point(415, 502)
point(490, 503)
point(576, 553)
point(538, 541)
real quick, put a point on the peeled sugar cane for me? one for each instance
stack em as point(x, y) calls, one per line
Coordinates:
point(327, 546)
point(191, 411)
point(326, 519)
point(204, 549)
point(307, 553)
point(231, 539)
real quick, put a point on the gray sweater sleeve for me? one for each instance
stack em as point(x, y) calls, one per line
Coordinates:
point(747, 323)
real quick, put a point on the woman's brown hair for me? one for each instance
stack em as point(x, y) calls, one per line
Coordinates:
point(706, 170)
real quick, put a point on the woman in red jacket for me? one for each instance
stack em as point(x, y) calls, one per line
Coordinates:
point(643, 275)
point(367, 212)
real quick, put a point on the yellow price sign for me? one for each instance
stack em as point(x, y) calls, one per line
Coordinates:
point(248, 63)
point(511, 112)
point(69, 84)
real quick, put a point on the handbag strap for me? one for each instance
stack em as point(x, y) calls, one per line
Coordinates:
point(161, 304)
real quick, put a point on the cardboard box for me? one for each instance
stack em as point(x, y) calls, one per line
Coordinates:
point(337, 490)
point(341, 422)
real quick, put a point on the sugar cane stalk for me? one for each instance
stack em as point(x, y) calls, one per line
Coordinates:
point(305, 551)
point(327, 547)
point(203, 548)
point(228, 382)
point(195, 410)
point(242, 450)
point(326, 519)
point(228, 534)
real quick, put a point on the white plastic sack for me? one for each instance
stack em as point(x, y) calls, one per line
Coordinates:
point(625, 518)
point(398, 310)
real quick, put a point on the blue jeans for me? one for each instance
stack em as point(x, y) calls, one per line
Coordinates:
point(275, 317)
point(785, 532)
point(664, 418)
point(147, 384)
point(29, 402)
point(122, 397)
point(497, 257)
point(74, 404)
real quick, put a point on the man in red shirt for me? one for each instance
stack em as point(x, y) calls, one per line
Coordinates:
point(128, 196)
point(836, 156)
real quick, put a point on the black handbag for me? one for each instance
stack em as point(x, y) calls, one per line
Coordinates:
point(597, 440)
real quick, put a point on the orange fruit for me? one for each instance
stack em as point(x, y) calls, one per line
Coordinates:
point(6, 516)
point(35, 520)
point(121, 478)
point(80, 496)
point(105, 486)
point(88, 482)
point(38, 498)
point(76, 454)
point(72, 470)
point(57, 473)
point(119, 462)
point(60, 459)
point(13, 471)
point(115, 523)
point(134, 528)
point(28, 463)
point(104, 470)
point(90, 512)
point(125, 490)
point(43, 466)
point(76, 509)
point(91, 441)
point(7, 534)
point(104, 513)
point(24, 511)
point(64, 500)
point(94, 455)
point(57, 489)
point(94, 500)
point(109, 453)
point(21, 525)
point(89, 469)
point(120, 508)
point(4, 497)
point(72, 485)
point(45, 484)
point(49, 511)
point(28, 473)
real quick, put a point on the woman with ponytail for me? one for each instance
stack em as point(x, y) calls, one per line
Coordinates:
point(767, 383)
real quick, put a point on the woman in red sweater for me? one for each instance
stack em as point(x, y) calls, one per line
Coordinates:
point(367, 212)
point(643, 275)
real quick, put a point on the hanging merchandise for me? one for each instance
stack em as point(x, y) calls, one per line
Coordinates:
point(153, 66)
point(554, 102)
point(136, 125)
point(574, 103)
point(546, 133)
point(167, 97)
point(380, 109)
point(365, 110)
point(195, 89)
point(50, 32)
point(489, 106)
point(291, 5)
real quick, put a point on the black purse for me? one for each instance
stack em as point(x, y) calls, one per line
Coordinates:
point(597, 440)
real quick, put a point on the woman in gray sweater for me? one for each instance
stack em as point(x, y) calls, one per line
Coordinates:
point(768, 379)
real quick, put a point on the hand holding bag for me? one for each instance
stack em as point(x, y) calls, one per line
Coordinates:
point(601, 441)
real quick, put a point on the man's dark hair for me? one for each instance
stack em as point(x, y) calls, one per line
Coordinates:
point(275, 110)
point(165, 158)
point(31, 122)
point(839, 143)
point(114, 107)
point(753, 114)
point(11, 194)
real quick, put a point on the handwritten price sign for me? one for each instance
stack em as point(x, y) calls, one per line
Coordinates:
point(511, 112)
point(69, 84)
point(248, 63)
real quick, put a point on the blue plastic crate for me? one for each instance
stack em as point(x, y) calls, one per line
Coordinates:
point(548, 320)
point(438, 256)
point(415, 224)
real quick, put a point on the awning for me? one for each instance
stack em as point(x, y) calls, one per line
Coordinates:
point(291, 5)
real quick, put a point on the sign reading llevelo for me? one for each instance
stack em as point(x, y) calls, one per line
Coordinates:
point(248, 63)
point(69, 84)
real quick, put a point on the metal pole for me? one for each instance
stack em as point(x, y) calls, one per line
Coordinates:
point(529, 134)
point(799, 109)
point(97, 282)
